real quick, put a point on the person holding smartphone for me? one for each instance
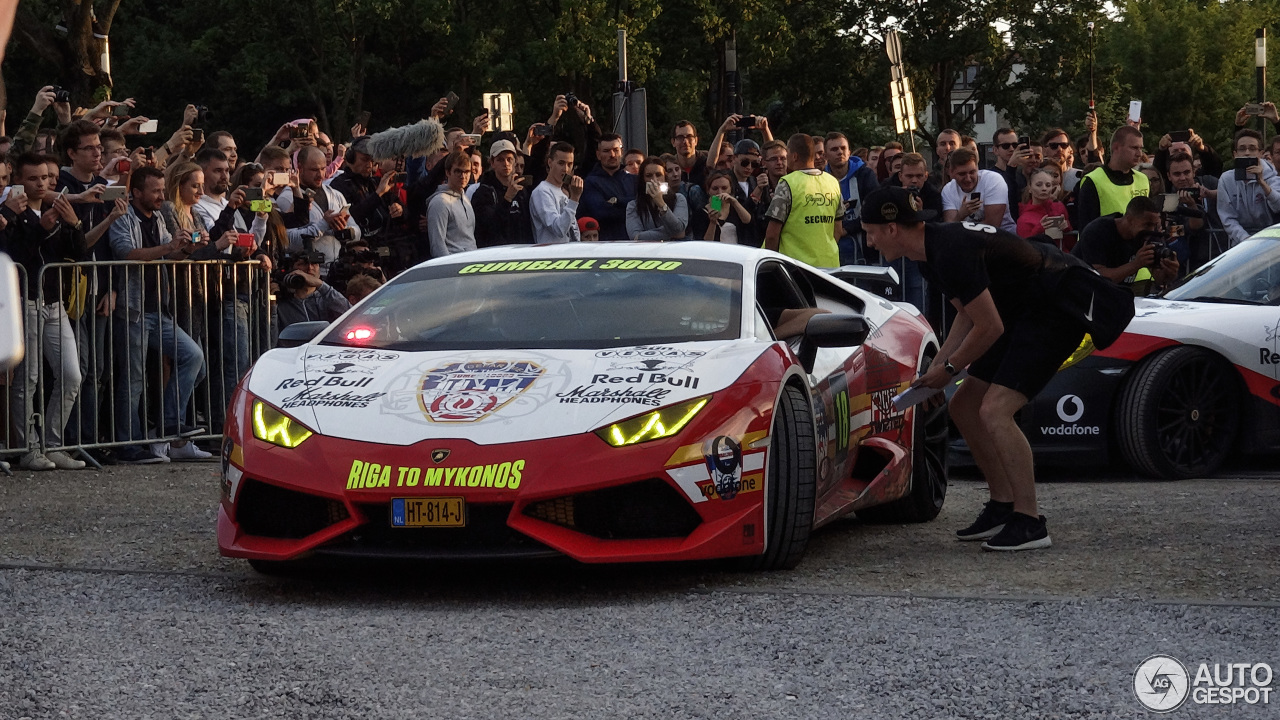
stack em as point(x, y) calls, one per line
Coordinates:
point(1248, 193)
point(554, 203)
point(979, 196)
point(1041, 213)
point(658, 213)
point(40, 227)
point(501, 201)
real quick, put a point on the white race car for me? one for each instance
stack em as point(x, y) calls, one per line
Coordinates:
point(606, 401)
point(1194, 379)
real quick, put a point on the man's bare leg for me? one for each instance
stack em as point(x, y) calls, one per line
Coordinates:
point(1010, 446)
point(966, 407)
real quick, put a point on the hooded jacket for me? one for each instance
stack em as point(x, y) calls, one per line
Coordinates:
point(1243, 207)
point(858, 175)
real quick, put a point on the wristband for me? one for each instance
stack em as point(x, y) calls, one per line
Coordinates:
point(951, 369)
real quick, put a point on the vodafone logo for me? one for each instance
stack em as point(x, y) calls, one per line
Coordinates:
point(1070, 409)
point(1076, 406)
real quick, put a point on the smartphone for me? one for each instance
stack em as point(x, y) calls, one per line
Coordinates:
point(121, 111)
point(473, 137)
point(1135, 110)
point(112, 193)
point(747, 121)
point(975, 195)
point(363, 119)
point(151, 153)
point(17, 191)
point(244, 240)
point(260, 206)
point(663, 188)
point(122, 166)
point(297, 131)
point(149, 126)
point(197, 134)
point(195, 237)
point(451, 100)
point(400, 177)
point(1170, 201)
point(345, 209)
point(279, 179)
point(526, 181)
point(1183, 136)
point(543, 130)
point(252, 193)
point(1024, 141)
point(1253, 109)
point(716, 203)
point(1243, 164)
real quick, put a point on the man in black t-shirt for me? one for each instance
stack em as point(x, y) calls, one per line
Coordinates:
point(1120, 247)
point(1008, 331)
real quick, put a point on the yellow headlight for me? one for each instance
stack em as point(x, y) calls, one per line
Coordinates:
point(661, 423)
point(1082, 352)
point(273, 426)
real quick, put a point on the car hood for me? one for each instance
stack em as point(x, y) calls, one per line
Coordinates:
point(488, 396)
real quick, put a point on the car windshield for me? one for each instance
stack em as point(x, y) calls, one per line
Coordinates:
point(1247, 273)
point(575, 303)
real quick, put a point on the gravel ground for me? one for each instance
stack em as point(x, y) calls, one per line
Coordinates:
point(115, 604)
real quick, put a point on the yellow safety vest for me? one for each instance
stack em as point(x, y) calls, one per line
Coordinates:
point(1113, 198)
point(808, 235)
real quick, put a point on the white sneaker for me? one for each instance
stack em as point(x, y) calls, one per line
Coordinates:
point(188, 452)
point(160, 450)
point(4, 466)
point(64, 461)
point(35, 461)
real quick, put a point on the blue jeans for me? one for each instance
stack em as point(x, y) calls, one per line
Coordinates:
point(156, 332)
point(231, 360)
point(91, 339)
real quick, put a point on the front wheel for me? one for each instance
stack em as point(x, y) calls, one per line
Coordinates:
point(790, 486)
point(1178, 413)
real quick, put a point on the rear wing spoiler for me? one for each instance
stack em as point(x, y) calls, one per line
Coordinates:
point(881, 281)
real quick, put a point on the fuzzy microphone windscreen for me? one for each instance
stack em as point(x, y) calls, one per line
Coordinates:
point(421, 138)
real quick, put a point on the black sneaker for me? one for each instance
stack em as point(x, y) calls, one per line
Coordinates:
point(990, 521)
point(133, 455)
point(1021, 532)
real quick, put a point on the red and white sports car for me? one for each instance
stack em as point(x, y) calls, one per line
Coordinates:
point(610, 402)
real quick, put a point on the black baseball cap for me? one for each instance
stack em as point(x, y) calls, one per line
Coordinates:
point(888, 204)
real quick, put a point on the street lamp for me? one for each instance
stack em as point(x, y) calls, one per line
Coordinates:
point(1260, 62)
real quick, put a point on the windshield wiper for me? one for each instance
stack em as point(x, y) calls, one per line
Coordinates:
point(1227, 301)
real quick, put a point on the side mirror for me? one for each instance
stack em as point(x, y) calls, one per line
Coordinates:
point(300, 333)
point(831, 330)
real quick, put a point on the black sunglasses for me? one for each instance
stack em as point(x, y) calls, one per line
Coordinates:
point(1007, 146)
point(1058, 145)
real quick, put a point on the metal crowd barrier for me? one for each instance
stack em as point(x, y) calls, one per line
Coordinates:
point(133, 353)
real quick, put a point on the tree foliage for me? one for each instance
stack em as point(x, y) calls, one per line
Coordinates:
point(810, 66)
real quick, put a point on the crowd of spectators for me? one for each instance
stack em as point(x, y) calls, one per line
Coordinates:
point(325, 223)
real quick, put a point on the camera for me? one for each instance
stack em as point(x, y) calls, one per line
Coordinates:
point(365, 256)
point(543, 130)
point(1162, 250)
point(572, 99)
point(344, 235)
point(61, 95)
point(294, 281)
point(202, 114)
point(747, 121)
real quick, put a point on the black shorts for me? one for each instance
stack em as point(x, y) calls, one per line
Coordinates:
point(1030, 351)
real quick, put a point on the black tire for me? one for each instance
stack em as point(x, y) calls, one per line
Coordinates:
point(930, 440)
point(790, 486)
point(1178, 413)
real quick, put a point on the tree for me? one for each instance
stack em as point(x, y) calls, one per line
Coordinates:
point(71, 36)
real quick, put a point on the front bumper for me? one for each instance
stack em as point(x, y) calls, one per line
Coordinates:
point(574, 496)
